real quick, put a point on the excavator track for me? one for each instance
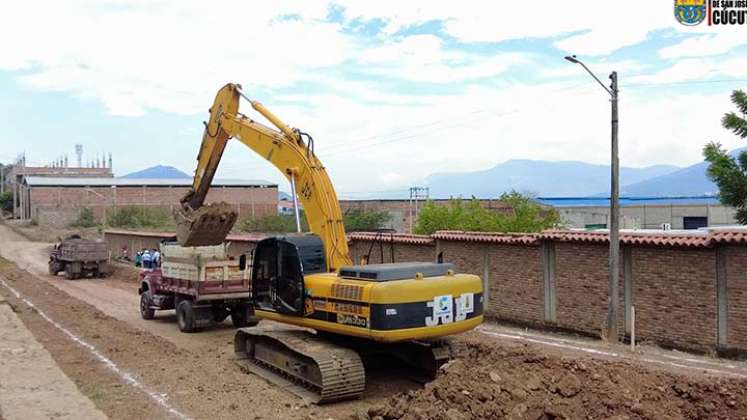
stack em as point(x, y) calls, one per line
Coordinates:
point(302, 363)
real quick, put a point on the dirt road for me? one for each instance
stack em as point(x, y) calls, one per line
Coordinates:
point(31, 384)
point(106, 311)
point(116, 296)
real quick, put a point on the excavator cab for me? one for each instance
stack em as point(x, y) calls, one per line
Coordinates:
point(279, 266)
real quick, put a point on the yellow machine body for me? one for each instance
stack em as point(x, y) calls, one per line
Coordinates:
point(391, 311)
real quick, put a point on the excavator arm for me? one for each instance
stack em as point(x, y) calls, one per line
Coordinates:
point(286, 149)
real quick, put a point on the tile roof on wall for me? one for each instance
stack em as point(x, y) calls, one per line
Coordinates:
point(488, 237)
point(688, 239)
point(397, 238)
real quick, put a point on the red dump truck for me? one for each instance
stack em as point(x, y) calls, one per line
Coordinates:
point(203, 284)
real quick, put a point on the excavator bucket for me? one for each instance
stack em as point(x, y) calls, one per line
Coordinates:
point(208, 225)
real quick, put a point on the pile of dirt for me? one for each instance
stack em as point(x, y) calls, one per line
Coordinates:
point(207, 225)
point(522, 382)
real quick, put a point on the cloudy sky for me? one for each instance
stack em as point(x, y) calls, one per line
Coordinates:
point(391, 90)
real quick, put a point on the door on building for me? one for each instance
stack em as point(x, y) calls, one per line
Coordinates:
point(694, 222)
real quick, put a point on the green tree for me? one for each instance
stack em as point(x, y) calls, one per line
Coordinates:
point(365, 220)
point(85, 219)
point(279, 223)
point(525, 215)
point(136, 217)
point(728, 173)
point(6, 201)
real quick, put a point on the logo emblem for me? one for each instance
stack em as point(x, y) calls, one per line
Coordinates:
point(690, 12)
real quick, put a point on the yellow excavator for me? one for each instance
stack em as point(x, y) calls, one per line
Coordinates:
point(346, 312)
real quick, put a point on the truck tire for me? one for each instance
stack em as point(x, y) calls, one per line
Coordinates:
point(69, 272)
point(53, 268)
point(219, 314)
point(185, 316)
point(242, 315)
point(145, 310)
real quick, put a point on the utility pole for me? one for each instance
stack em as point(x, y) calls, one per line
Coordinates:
point(614, 257)
point(416, 193)
point(612, 333)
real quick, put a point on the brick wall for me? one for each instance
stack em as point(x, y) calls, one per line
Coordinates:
point(581, 278)
point(402, 252)
point(468, 257)
point(736, 285)
point(516, 283)
point(674, 289)
point(249, 201)
point(675, 296)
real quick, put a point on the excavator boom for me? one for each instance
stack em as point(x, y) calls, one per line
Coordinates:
point(286, 149)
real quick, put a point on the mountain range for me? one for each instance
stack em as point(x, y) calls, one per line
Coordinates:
point(541, 178)
point(159, 171)
point(574, 179)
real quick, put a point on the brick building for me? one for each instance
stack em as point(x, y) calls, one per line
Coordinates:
point(58, 201)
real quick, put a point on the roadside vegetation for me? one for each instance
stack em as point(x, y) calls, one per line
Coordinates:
point(359, 220)
point(85, 219)
point(525, 215)
point(726, 171)
point(278, 223)
point(129, 217)
point(354, 219)
point(137, 217)
point(6, 202)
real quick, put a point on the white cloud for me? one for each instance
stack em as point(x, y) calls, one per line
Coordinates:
point(173, 55)
point(421, 58)
point(717, 43)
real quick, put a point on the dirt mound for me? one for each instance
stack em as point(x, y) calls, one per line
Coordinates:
point(522, 382)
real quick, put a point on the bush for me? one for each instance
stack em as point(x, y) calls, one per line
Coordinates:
point(526, 216)
point(85, 219)
point(134, 217)
point(281, 223)
point(365, 220)
point(6, 201)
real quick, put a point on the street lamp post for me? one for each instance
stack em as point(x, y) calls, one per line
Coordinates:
point(614, 257)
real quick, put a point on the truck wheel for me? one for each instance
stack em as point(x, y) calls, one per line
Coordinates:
point(145, 310)
point(242, 315)
point(53, 268)
point(185, 316)
point(219, 314)
point(69, 272)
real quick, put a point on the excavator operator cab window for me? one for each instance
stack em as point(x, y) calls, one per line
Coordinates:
point(278, 269)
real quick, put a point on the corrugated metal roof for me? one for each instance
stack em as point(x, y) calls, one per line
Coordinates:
point(41, 181)
point(629, 201)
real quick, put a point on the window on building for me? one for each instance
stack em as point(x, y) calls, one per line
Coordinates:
point(694, 222)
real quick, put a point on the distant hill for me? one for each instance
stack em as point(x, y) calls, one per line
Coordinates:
point(688, 181)
point(159, 172)
point(544, 178)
